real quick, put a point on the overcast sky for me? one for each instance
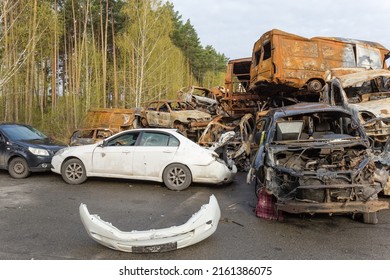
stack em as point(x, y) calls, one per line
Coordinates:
point(232, 26)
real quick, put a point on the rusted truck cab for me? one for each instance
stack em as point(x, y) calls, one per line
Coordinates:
point(293, 62)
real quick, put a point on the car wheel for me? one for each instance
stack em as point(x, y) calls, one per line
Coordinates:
point(73, 172)
point(370, 218)
point(314, 85)
point(18, 168)
point(177, 177)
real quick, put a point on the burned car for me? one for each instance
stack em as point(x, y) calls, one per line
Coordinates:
point(89, 136)
point(100, 123)
point(175, 114)
point(368, 94)
point(316, 158)
point(202, 99)
point(231, 138)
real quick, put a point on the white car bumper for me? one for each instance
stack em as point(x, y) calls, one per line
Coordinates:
point(216, 173)
point(201, 225)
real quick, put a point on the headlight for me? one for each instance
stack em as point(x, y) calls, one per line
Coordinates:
point(38, 152)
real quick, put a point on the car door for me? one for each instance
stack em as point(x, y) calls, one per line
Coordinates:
point(115, 156)
point(164, 115)
point(152, 114)
point(155, 150)
point(3, 150)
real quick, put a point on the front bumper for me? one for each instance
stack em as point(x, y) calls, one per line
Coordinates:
point(296, 207)
point(201, 225)
point(45, 166)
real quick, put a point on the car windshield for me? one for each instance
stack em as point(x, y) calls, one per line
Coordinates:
point(20, 132)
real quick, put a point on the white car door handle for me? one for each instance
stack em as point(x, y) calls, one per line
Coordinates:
point(168, 152)
point(126, 152)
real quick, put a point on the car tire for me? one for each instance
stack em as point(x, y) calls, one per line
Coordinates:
point(18, 168)
point(73, 172)
point(370, 218)
point(177, 177)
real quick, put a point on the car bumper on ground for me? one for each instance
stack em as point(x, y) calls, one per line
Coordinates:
point(201, 225)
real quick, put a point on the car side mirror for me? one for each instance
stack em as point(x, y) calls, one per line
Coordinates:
point(104, 143)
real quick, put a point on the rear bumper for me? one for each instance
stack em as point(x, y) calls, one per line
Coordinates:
point(215, 173)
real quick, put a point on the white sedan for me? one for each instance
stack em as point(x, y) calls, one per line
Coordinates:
point(162, 155)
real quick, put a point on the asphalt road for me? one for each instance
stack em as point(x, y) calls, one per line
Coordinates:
point(39, 220)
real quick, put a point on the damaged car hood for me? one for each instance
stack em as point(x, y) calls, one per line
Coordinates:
point(186, 115)
point(380, 108)
point(201, 225)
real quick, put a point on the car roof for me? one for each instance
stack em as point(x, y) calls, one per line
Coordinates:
point(355, 78)
point(15, 124)
point(305, 107)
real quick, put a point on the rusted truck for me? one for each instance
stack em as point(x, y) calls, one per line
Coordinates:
point(283, 62)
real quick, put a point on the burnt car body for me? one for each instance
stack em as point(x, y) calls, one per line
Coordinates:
point(315, 158)
point(238, 147)
point(89, 136)
point(368, 94)
point(286, 61)
point(203, 99)
point(175, 114)
point(100, 123)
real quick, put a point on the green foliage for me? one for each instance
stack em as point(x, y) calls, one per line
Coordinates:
point(202, 59)
point(60, 58)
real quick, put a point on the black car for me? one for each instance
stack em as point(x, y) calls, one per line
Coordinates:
point(24, 149)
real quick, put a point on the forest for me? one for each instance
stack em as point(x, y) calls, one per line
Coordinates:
point(60, 58)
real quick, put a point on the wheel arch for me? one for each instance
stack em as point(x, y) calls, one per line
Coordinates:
point(175, 162)
point(16, 156)
point(319, 79)
point(69, 158)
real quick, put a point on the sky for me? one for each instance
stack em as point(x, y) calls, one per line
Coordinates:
point(233, 26)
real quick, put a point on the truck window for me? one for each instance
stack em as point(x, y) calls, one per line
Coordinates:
point(267, 50)
point(257, 57)
point(368, 57)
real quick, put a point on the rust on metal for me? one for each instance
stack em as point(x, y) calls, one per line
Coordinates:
point(290, 61)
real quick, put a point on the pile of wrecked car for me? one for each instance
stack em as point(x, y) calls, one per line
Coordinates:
point(315, 158)
point(307, 118)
